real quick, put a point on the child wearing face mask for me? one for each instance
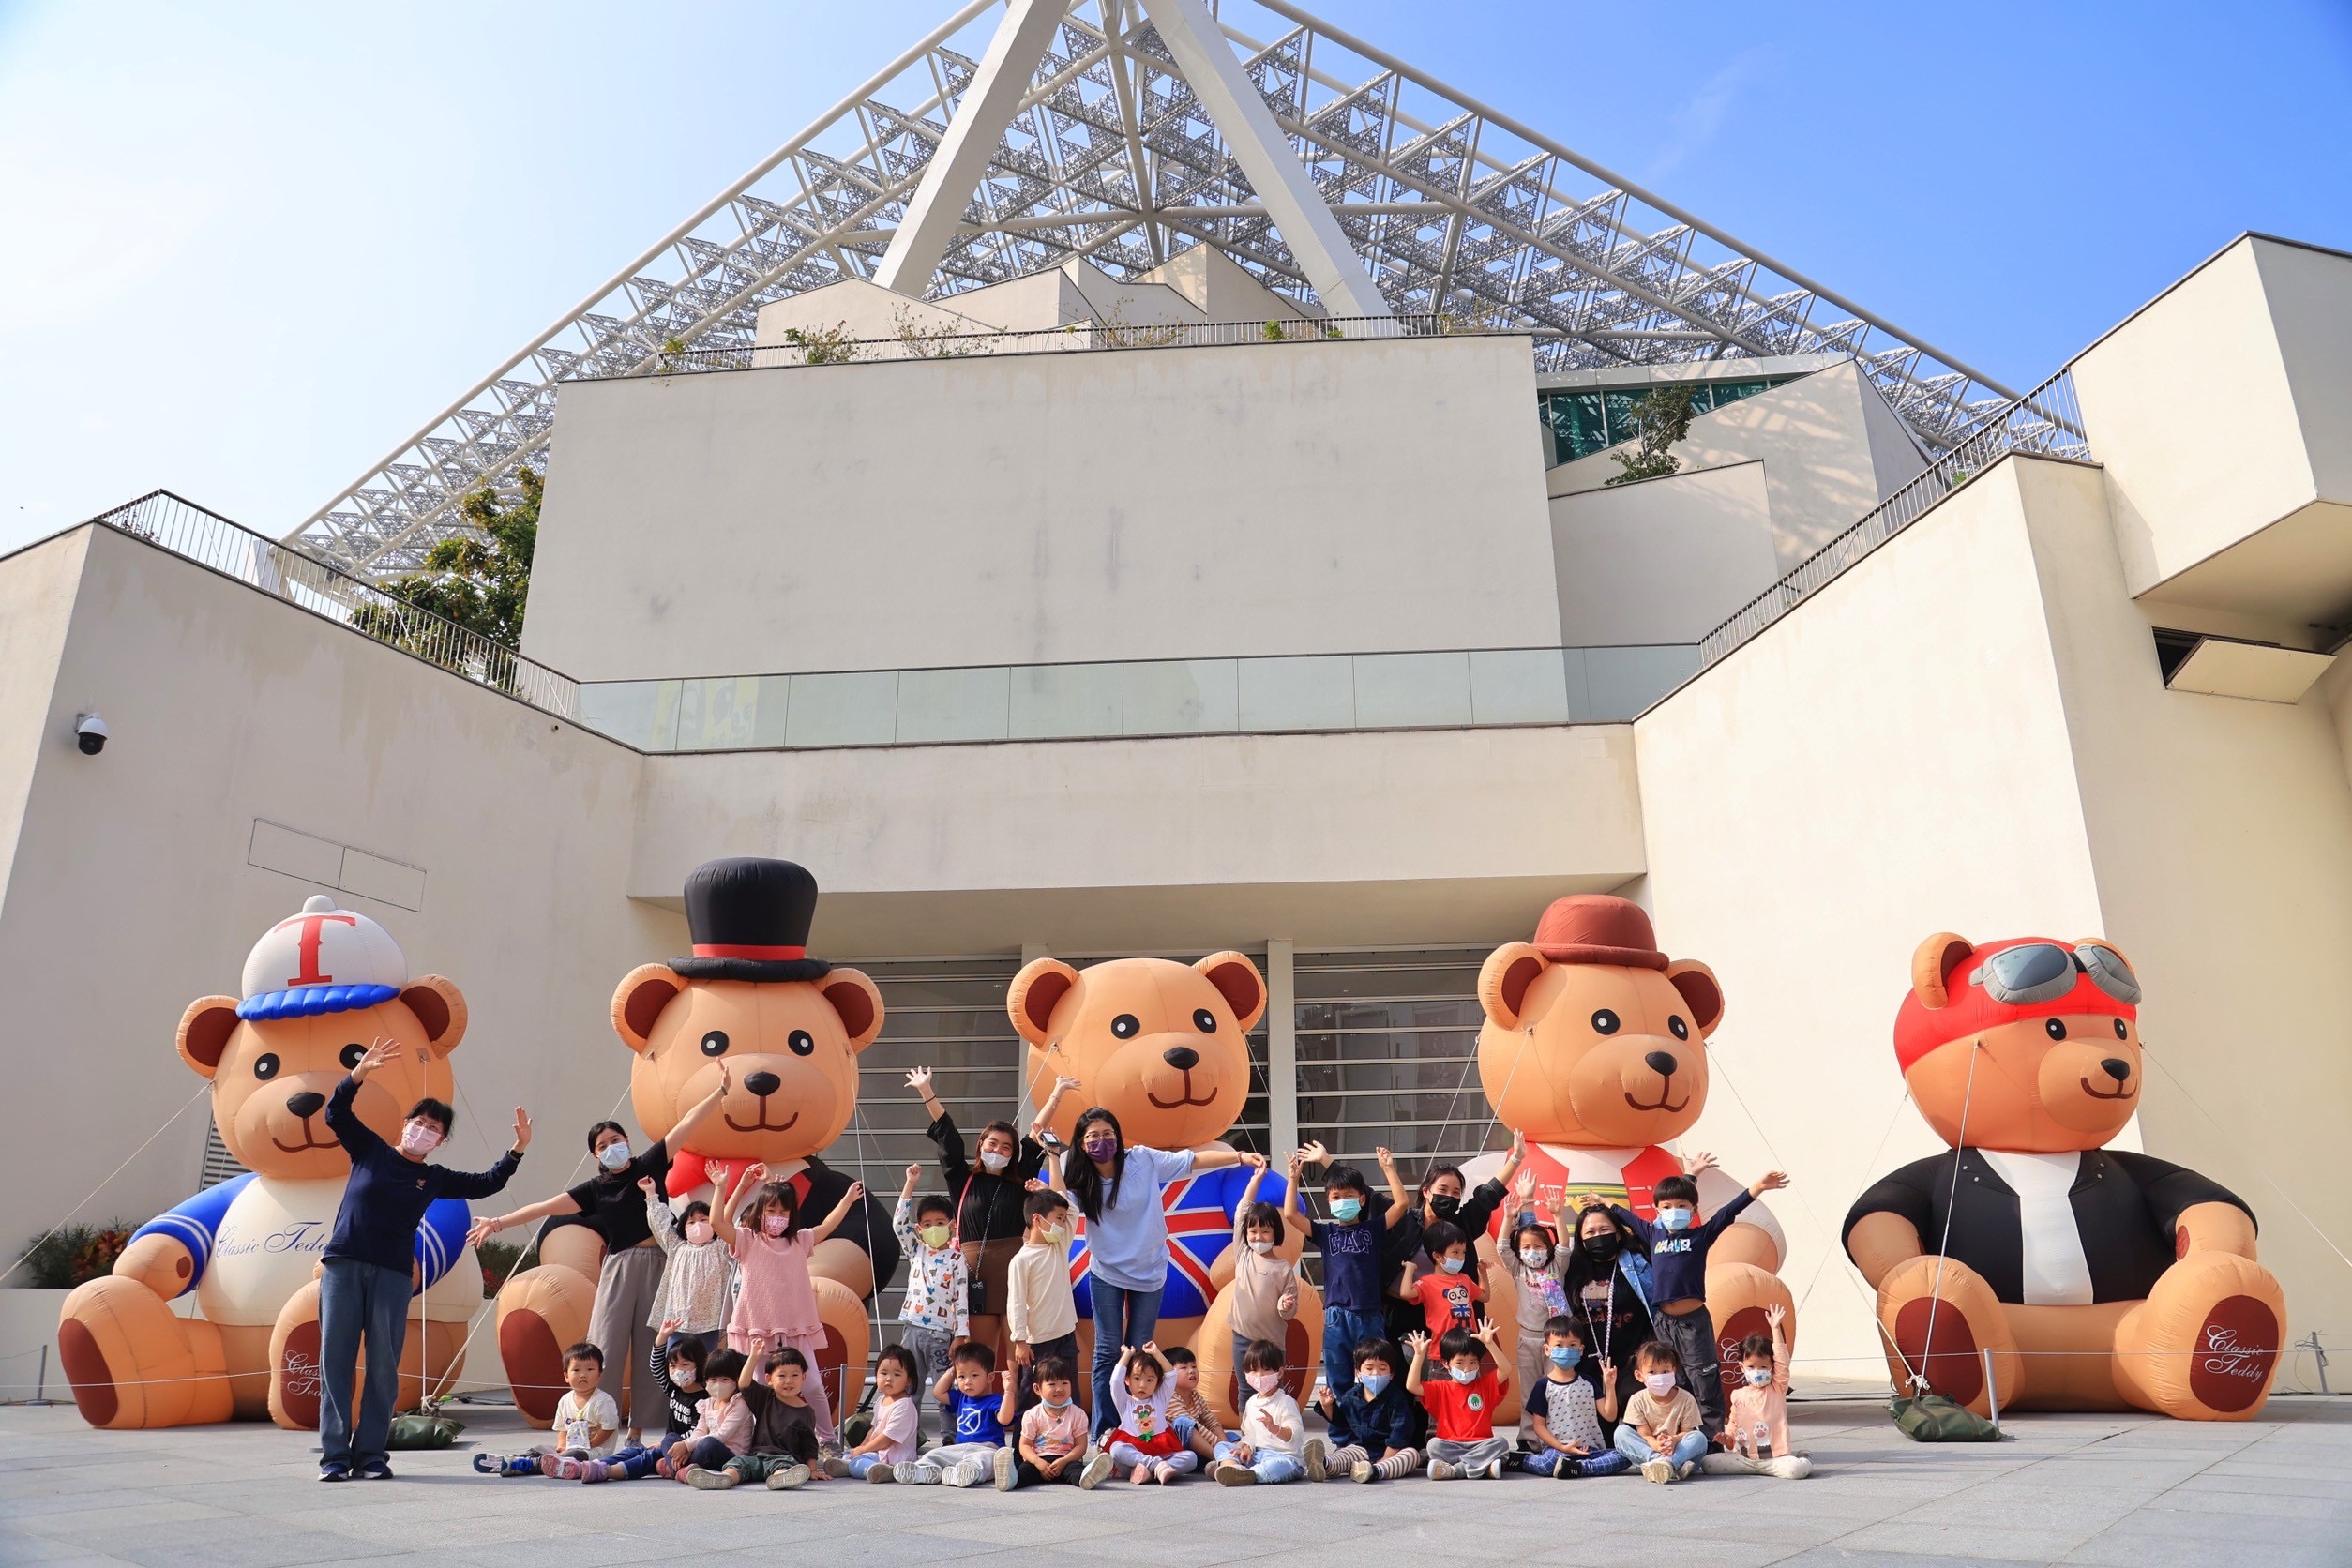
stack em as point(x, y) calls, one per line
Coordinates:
point(1052, 1442)
point(1679, 1244)
point(1041, 1311)
point(1265, 1284)
point(1565, 1415)
point(697, 1271)
point(1450, 1294)
point(722, 1422)
point(1354, 1245)
point(1532, 1260)
point(937, 1282)
point(1146, 1446)
point(776, 1443)
point(678, 1365)
point(1759, 1410)
point(1274, 1446)
point(1375, 1423)
point(1461, 1404)
point(1661, 1428)
point(778, 1306)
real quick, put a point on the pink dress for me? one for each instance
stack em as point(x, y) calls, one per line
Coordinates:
point(776, 1297)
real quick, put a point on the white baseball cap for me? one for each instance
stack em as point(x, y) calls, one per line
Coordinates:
point(323, 960)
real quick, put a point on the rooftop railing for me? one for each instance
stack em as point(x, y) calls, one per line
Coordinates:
point(2046, 422)
point(210, 539)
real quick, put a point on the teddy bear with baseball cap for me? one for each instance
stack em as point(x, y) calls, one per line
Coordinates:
point(2098, 1278)
point(319, 988)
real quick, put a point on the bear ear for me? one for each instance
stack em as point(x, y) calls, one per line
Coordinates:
point(1037, 990)
point(1701, 990)
point(1503, 980)
point(205, 1031)
point(639, 999)
point(1933, 966)
point(440, 1006)
point(859, 1002)
point(1238, 980)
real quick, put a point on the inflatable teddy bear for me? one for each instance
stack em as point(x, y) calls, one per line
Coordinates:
point(2098, 1278)
point(1163, 1046)
point(1595, 1049)
point(790, 1028)
point(319, 988)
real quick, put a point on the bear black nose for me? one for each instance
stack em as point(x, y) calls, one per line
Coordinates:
point(1182, 1057)
point(1662, 1062)
point(305, 1105)
point(763, 1084)
point(2119, 1071)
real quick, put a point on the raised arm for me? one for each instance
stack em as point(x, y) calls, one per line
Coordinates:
point(1063, 1089)
point(1396, 1204)
point(490, 1224)
point(730, 1203)
point(849, 1200)
point(682, 1135)
point(1241, 1206)
point(1292, 1215)
point(355, 1135)
point(658, 1219)
point(902, 1216)
point(1009, 1404)
point(1502, 1363)
point(940, 1384)
point(1418, 1343)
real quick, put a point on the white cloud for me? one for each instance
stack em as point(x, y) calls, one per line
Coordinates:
point(1700, 116)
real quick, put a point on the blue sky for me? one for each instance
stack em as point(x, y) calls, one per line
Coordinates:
point(249, 248)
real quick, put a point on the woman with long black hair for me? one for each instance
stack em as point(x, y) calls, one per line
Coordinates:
point(1608, 1289)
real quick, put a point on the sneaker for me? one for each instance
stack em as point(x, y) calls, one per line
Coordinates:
point(1444, 1470)
point(1097, 1470)
point(1658, 1470)
point(834, 1466)
point(565, 1469)
point(488, 1464)
point(909, 1473)
point(1166, 1473)
point(1565, 1468)
point(594, 1470)
point(829, 1450)
point(1314, 1459)
point(1004, 1463)
point(1362, 1471)
point(881, 1474)
point(967, 1472)
point(1687, 1469)
point(663, 1468)
point(337, 1472)
point(374, 1469)
point(703, 1480)
point(1230, 1473)
point(788, 1477)
point(1493, 1472)
point(545, 1463)
point(1789, 1467)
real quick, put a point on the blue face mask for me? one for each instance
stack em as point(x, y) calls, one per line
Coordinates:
point(1450, 1265)
point(1372, 1383)
point(1564, 1355)
point(1462, 1375)
point(1345, 1210)
point(1677, 1219)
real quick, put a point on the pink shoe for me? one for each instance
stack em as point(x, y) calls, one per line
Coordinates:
point(664, 1468)
point(565, 1469)
point(596, 1470)
point(547, 1463)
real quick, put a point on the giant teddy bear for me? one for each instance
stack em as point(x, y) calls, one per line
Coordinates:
point(319, 988)
point(1165, 1047)
point(1594, 1048)
point(2098, 1278)
point(790, 1028)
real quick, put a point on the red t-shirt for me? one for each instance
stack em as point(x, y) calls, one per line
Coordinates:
point(1448, 1301)
point(1460, 1412)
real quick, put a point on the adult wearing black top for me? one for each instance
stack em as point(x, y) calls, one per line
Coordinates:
point(990, 1199)
point(1442, 1198)
point(364, 1281)
point(1607, 1286)
point(621, 1324)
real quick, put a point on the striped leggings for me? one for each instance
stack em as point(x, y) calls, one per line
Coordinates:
point(1400, 1462)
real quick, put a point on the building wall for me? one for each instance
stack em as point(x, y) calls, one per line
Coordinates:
point(1169, 503)
point(131, 894)
point(37, 589)
point(1664, 560)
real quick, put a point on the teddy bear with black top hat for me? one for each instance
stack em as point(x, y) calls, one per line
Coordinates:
point(789, 1029)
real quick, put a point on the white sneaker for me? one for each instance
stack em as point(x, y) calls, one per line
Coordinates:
point(1097, 1470)
point(909, 1473)
point(1314, 1459)
point(1687, 1469)
point(1658, 1470)
point(1230, 1473)
point(1444, 1470)
point(1362, 1471)
point(703, 1480)
point(835, 1467)
point(1494, 1472)
point(788, 1478)
point(881, 1474)
point(1789, 1467)
point(1004, 1457)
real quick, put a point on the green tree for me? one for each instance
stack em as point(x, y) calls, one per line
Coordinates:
point(1662, 417)
point(480, 582)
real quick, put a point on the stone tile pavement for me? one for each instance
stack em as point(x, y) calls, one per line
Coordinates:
point(2131, 1491)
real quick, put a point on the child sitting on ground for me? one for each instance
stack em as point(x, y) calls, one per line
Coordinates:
point(1448, 1294)
point(778, 1441)
point(697, 1271)
point(678, 1361)
point(1189, 1412)
point(1145, 1447)
point(975, 1404)
point(1375, 1424)
point(1040, 1312)
point(891, 1443)
point(722, 1427)
point(1052, 1434)
point(1565, 1415)
point(1265, 1284)
point(587, 1424)
point(1759, 1410)
point(938, 1286)
point(1461, 1403)
point(1661, 1429)
point(1274, 1446)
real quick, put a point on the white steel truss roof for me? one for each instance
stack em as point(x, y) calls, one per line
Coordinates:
point(1108, 153)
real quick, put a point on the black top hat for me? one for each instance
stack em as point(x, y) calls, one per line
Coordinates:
point(749, 919)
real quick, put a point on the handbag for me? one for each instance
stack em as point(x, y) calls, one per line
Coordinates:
point(420, 1430)
point(1934, 1418)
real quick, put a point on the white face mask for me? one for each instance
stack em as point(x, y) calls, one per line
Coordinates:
point(1265, 1383)
point(1660, 1384)
point(993, 1162)
point(722, 1390)
point(419, 1138)
point(1758, 1375)
point(700, 1232)
point(1535, 1258)
point(1261, 1248)
point(615, 1155)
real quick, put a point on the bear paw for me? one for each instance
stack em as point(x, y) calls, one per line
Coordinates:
point(2205, 1343)
point(1940, 1316)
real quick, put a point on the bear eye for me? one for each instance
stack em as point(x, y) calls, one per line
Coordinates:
point(1605, 1022)
point(801, 1041)
point(1125, 1026)
point(266, 1066)
point(352, 1053)
point(2120, 1032)
point(2054, 1028)
point(715, 1043)
point(1675, 1027)
point(1204, 1021)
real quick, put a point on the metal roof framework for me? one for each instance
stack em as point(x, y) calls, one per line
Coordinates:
point(1452, 208)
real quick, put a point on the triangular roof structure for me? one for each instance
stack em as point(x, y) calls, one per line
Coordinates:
point(1127, 131)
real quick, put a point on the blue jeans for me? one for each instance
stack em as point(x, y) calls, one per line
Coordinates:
point(1342, 1330)
point(1601, 1461)
point(1637, 1448)
point(1271, 1466)
point(864, 1462)
point(358, 1299)
point(1121, 1317)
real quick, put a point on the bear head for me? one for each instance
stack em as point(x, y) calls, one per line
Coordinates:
point(791, 1046)
point(1162, 1045)
point(1593, 1038)
point(2027, 1046)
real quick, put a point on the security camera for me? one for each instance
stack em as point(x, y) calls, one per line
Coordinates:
point(89, 733)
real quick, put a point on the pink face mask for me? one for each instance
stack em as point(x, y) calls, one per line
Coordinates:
point(1265, 1383)
point(699, 1232)
point(419, 1138)
point(773, 1224)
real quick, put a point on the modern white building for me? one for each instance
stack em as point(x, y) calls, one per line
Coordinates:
point(1173, 607)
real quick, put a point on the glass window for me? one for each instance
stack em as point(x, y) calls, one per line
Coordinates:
point(1297, 694)
point(952, 704)
point(1182, 697)
point(774, 705)
point(716, 714)
point(859, 708)
point(1617, 406)
point(1519, 686)
point(1624, 680)
point(1405, 690)
point(626, 711)
point(1060, 701)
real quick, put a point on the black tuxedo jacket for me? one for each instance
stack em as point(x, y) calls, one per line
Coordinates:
point(2125, 1207)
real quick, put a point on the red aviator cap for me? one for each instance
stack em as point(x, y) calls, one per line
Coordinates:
point(1960, 973)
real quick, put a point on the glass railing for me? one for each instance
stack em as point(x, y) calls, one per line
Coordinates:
point(1474, 688)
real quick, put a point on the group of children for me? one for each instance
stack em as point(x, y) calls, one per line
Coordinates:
point(742, 1404)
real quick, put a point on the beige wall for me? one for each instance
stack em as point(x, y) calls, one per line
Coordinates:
point(1163, 503)
point(37, 589)
point(1662, 560)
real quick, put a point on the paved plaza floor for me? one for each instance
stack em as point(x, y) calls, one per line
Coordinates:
point(2128, 1490)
